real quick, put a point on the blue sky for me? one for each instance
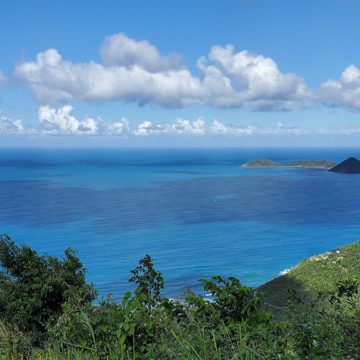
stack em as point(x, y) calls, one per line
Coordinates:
point(180, 73)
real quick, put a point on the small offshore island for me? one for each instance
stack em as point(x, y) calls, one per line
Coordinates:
point(348, 166)
point(311, 164)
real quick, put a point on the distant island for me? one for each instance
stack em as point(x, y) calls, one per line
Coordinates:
point(312, 164)
point(349, 166)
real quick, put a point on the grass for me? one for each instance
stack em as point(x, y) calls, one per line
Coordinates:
point(320, 273)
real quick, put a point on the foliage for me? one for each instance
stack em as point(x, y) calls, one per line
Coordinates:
point(149, 281)
point(34, 289)
point(146, 325)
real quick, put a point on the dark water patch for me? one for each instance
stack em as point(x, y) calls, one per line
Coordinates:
point(38, 203)
point(103, 163)
point(193, 162)
point(26, 164)
point(327, 199)
point(148, 164)
point(186, 172)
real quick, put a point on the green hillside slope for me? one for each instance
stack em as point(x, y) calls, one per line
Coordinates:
point(319, 273)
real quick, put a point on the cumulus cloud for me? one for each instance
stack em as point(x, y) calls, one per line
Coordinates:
point(200, 127)
point(219, 128)
point(135, 71)
point(147, 128)
point(179, 127)
point(120, 127)
point(120, 50)
point(53, 80)
point(344, 92)
point(11, 126)
point(188, 127)
point(248, 80)
point(62, 121)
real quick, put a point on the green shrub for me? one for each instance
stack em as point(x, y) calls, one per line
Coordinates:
point(46, 312)
point(34, 289)
point(126, 328)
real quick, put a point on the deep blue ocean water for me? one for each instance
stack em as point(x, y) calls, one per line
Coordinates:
point(196, 212)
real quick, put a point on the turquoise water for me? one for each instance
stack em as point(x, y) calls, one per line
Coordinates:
point(196, 212)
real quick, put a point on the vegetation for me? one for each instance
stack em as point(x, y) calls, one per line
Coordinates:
point(318, 274)
point(47, 312)
point(267, 163)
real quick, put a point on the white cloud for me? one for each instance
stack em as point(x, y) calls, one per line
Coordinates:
point(219, 128)
point(120, 127)
point(200, 127)
point(11, 126)
point(252, 81)
point(120, 50)
point(187, 127)
point(62, 121)
point(344, 92)
point(53, 79)
point(179, 127)
point(136, 71)
point(147, 128)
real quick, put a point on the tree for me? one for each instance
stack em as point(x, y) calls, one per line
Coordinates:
point(35, 288)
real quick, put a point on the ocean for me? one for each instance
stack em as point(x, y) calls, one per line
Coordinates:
point(195, 211)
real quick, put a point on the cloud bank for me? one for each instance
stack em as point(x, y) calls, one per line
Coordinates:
point(61, 121)
point(135, 71)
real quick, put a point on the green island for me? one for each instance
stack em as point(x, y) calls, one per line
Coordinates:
point(49, 311)
point(312, 164)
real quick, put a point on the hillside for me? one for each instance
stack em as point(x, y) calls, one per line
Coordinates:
point(267, 163)
point(350, 166)
point(319, 273)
